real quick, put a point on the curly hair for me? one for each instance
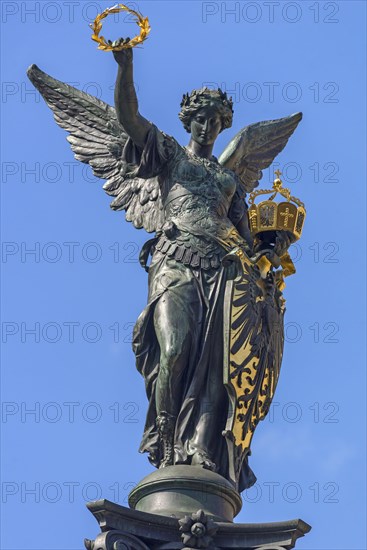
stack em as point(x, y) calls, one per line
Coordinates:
point(197, 99)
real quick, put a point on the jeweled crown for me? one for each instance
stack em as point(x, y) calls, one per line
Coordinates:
point(269, 215)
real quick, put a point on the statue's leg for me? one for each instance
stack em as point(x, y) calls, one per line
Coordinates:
point(174, 324)
point(173, 328)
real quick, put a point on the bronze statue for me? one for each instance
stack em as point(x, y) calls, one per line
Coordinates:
point(209, 342)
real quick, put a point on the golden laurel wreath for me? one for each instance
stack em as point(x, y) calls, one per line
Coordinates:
point(142, 22)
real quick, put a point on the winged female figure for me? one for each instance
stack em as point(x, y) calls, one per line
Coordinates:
point(195, 204)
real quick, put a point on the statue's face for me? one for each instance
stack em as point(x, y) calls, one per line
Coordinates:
point(206, 125)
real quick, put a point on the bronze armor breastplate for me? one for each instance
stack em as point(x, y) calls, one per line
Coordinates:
point(196, 208)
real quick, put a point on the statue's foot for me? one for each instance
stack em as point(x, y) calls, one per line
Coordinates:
point(202, 459)
point(166, 462)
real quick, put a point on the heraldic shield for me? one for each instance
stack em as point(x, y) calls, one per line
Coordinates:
point(253, 348)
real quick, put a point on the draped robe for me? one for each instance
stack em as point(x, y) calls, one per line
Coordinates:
point(202, 203)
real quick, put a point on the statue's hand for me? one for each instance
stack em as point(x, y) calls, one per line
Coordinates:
point(123, 56)
point(283, 241)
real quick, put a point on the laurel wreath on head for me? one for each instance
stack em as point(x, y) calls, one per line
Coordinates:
point(141, 21)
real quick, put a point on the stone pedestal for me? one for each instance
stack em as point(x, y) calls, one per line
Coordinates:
point(186, 508)
point(126, 529)
point(177, 491)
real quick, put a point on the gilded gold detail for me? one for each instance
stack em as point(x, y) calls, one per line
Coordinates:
point(254, 387)
point(269, 215)
point(96, 26)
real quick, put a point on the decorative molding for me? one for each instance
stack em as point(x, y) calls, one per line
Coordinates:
point(115, 540)
point(126, 529)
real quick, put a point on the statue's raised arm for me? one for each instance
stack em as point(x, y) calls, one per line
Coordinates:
point(126, 102)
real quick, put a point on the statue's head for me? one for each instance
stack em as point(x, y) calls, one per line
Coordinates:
point(205, 113)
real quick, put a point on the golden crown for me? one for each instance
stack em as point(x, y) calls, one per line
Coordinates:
point(269, 215)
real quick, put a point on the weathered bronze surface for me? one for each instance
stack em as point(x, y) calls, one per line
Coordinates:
point(125, 529)
point(209, 342)
point(178, 490)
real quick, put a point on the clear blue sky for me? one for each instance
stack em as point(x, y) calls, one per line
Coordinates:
point(82, 289)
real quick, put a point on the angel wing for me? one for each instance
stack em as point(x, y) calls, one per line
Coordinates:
point(254, 339)
point(97, 138)
point(255, 147)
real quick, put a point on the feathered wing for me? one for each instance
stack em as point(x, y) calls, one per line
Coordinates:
point(97, 138)
point(255, 147)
